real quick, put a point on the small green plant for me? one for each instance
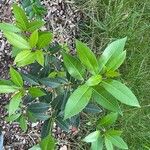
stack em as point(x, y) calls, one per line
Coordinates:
point(57, 89)
point(33, 8)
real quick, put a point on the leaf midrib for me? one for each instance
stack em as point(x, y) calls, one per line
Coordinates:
point(75, 67)
point(104, 97)
point(80, 98)
point(119, 91)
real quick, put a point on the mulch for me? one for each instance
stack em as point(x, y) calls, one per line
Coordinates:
point(62, 19)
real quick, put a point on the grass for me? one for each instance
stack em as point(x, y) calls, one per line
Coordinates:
point(106, 20)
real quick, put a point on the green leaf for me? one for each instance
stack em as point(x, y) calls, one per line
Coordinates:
point(32, 80)
point(53, 83)
point(121, 92)
point(36, 92)
point(35, 116)
point(38, 107)
point(92, 137)
point(16, 40)
point(34, 25)
point(116, 62)
point(91, 108)
point(63, 124)
point(112, 74)
point(14, 103)
point(87, 57)
point(9, 27)
point(107, 120)
point(6, 82)
point(117, 141)
point(13, 117)
point(108, 144)
point(98, 144)
point(46, 128)
point(22, 55)
point(15, 51)
point(106, 100)
point(45, 39)
point(113, 132)
point(33, 39)
point(24, 58)
point(111, 52)
point(77, 101)
point(73, 66)
point(35, 147)
point(8, 89)
point(94, 80)
point(48, 143)
point(23, 123)
point(16, 77)
point(40, 57)
point(21, 19)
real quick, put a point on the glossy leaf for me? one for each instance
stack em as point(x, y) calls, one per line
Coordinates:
point(92, 137)
point(73, 66)
point(36, 92)
point(46, 128)
point(111, 52)
point(107, 120)
point(9, 27)
point(94, 80)
point(117, 141)
point(63, 124)
point(16, 40)
point(121, 92)
point(106, 100)
point(116, 62)
point(113, 132)
point(35, 147)
point(48, 143)
point(108, 144)
point(53, 83)
point(112, 74)
point(33, 39)
point(40, 57)
point(35, 116)
point(87, 57)
point(6, 82)
point(98, 144)
point(24, 58)
point(34, 25)
point(32, 80)
point(45, 39)
point(77, 101)
point(8, 89)
point(23, 123)
point(14, 103)
point(13, 117)
point(57, 102)
point(91, 108)
point(15, 51)
point(38, 107)
point(16, 77)
point(20, 17)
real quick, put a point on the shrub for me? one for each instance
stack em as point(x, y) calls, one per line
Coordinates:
point(58, 87)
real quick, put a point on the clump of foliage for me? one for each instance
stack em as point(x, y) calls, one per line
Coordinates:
point(33, 8)
point(58, 89)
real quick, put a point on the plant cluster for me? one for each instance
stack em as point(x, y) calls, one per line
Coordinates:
point(33, 8)
point(58, 87)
